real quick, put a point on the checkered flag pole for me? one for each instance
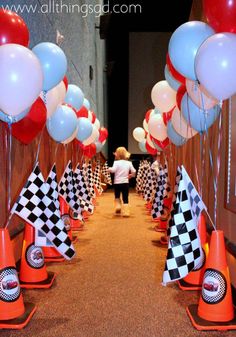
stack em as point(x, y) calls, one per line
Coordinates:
point(35, 206)
point(67, 190)
point(184, 247)
point(106, 174)
point(157, 205)
point(88, 177)
point(177, 180)
point(82, 190)
point(97, 177)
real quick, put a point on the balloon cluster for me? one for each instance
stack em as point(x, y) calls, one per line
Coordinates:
point(199, 74)
point(35, 91)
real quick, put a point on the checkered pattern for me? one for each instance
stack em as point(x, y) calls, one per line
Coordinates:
point(178, 177)
point(145, 175)
point(106, 174)
point(157, 205)
point(184, 247)
point(82, 191)
point(139, 178)
point(67, 189)
point(88, 177)
point(196, 202)
point(148, 188)
point(97, 177)
point(35, 206)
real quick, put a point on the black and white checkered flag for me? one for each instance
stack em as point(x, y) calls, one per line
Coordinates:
point(88, 178)
point(177, 180)
point(139, 177)
point(145, 176)
point(97, 177)
point(184, 247)
point(35, 206)
point(157, 205)
point(68, 191)
point(148, 188)
point(106, 174)
point(82, 191)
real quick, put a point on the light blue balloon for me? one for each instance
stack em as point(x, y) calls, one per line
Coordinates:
point(173, 83)
point(13, 119)
point(85, 128)
point(184, 44)
point(98, 146)
point(62, 124)
point(74, 96)
point(198, 119)
point(142, 146)
point(86, 103)
point(53, 61)
point(174, 137)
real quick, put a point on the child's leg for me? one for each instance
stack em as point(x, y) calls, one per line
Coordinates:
point(125, 197)
point(117, 191)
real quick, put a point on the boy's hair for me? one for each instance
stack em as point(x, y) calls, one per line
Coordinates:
point(121, 153)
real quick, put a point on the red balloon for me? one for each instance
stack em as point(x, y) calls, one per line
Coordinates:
point(220, 15)
point(82, 112)
point(147, 115)
point(65, 80)
point(103, 134)
point(179, 95)
point(150, 149)
point(173, 71)
point(13, 29)
point(29, 127)
point(93, 116)
point(167, 116)
point(89, 150)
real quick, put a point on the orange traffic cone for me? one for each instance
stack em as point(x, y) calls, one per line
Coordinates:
point(52, 255)
point(33, 273)
point(193, 281)
point(215, 309)
point(68, 220)
point(14, 314)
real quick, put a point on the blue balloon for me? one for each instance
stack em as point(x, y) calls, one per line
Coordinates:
point(53, 62)
point(62, 124)
point(142, 146)
point(86, 103)
point(173, 83)
point(174, 137)
point(197, 118)
point(85, 128)
point(13, 119)
point(74, 96)
point(184, 44)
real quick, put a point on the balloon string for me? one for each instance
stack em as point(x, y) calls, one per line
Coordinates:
point(39, 147)
point(9, 173)
point(229, 150)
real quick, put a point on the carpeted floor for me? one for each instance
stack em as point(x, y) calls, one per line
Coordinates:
point(113, 287)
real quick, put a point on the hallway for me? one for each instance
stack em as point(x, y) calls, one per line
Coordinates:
point(113, 286)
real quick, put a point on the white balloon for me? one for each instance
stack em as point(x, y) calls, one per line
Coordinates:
point(163, 96)
point(139, 134)
point(21, 78)
point(157, 127)
point(97, 123)
point(181, 126)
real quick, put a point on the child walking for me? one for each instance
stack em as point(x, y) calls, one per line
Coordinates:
point(123, 170)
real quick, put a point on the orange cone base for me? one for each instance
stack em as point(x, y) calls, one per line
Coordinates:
point(45, 284)
point(183, 285)
point(54, 259)
point(75, 224)
point(74, 239)
point(202, 324)
point(159, 229)
point(163, 240)
point(21, 321)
